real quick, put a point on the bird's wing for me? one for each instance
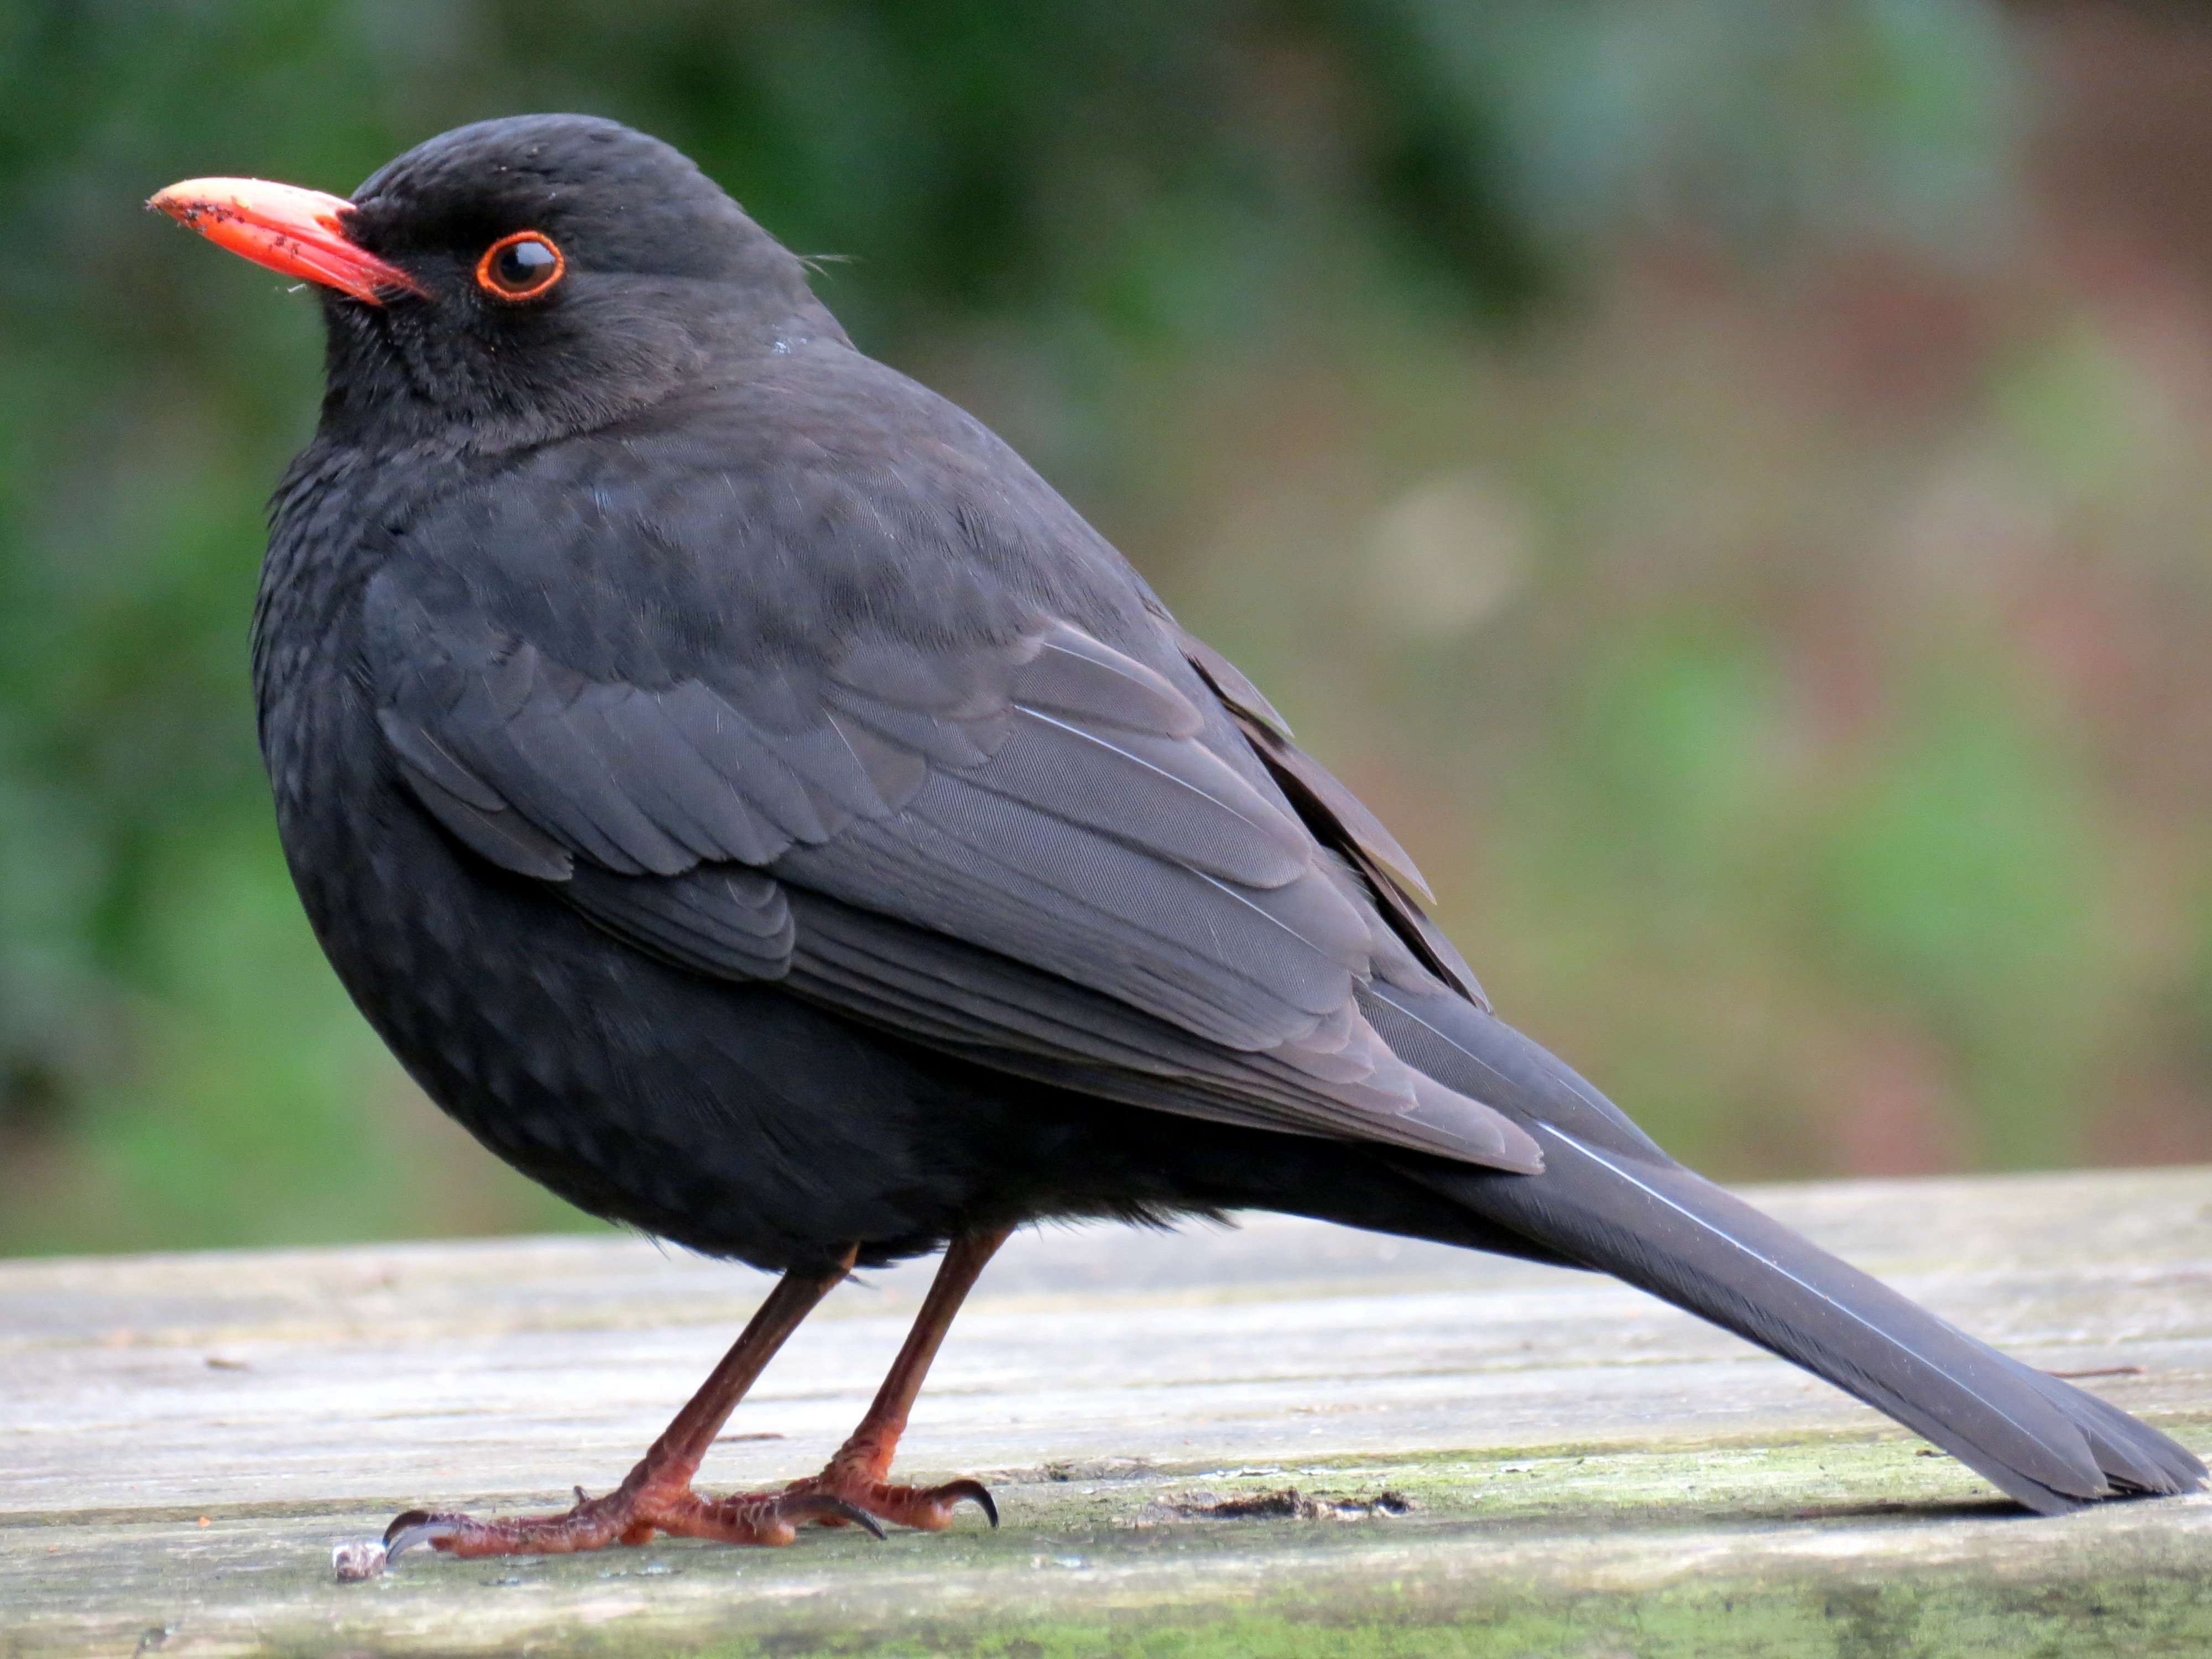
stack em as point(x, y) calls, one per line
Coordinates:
point(1337, 818)
point(1026, 846)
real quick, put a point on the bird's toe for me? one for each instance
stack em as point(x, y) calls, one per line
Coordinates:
point(926, 1509)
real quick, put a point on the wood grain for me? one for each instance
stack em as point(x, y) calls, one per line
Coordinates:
point(1586, 1466)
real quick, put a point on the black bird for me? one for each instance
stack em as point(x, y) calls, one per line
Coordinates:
point(757, 807)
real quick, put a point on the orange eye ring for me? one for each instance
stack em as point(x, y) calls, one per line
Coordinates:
point(521, 266)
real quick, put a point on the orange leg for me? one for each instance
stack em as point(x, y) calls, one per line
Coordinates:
point(855, 1476)
point(656, 1495)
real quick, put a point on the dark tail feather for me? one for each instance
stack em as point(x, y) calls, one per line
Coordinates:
point(1668, 1230)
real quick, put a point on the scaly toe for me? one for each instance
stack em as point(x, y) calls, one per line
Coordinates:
point(589, 1526)
point(926, 1509)
point(440, 1532)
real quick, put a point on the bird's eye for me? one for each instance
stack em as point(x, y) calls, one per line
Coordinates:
point(520, 267)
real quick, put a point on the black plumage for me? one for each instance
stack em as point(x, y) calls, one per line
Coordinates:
point(756, 806)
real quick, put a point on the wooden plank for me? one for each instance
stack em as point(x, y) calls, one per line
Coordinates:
point(183, 1439)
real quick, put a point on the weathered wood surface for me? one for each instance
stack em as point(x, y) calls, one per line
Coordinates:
point(184, 1438)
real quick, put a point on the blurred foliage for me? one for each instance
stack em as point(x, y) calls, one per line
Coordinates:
point(1651, 448)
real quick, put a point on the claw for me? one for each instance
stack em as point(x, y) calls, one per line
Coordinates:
point(821, 1506)
point(976, 1493)
point(420, 1527)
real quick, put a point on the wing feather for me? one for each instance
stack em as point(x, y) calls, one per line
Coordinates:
point(1033, 850)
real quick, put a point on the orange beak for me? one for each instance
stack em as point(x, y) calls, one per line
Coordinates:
point(297, 232)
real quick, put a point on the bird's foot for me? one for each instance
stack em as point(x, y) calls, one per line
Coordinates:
point(632, 1515)
point(858, 1484)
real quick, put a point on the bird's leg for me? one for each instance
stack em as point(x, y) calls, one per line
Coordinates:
point(855, 1475)
point(656, 1495)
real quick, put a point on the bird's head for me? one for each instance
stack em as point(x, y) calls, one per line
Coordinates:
point(518, 279)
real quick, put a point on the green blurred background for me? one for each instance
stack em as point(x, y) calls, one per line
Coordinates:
point(1727, 479)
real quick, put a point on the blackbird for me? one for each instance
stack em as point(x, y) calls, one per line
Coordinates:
point(756, 806)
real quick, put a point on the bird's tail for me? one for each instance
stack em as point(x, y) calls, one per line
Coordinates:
point(1611, 1201)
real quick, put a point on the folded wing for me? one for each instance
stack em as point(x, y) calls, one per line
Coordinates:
point(1031, 849)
